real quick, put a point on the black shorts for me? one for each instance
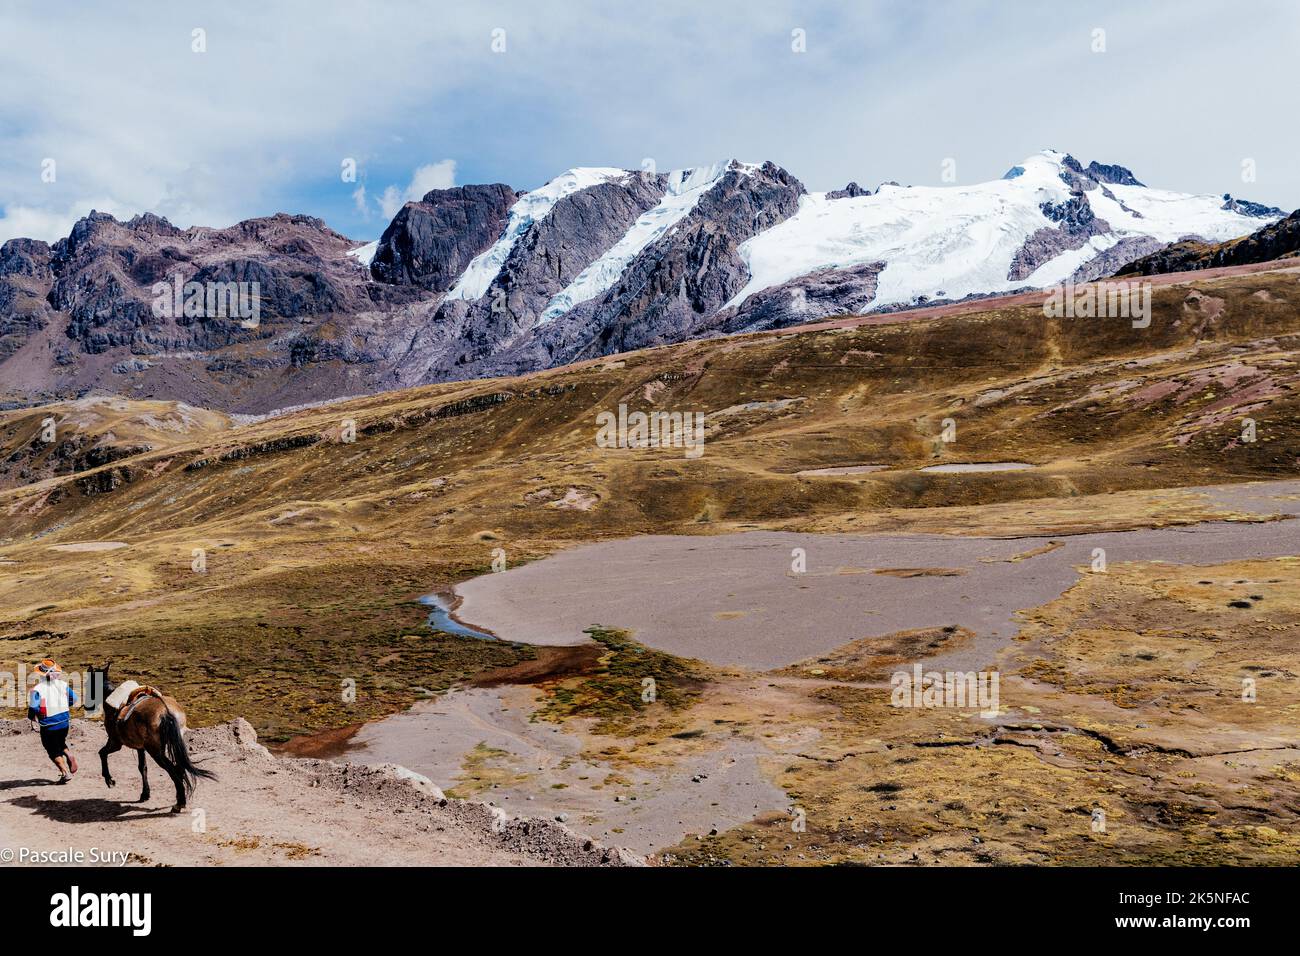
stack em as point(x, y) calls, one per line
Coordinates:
point(55, 741)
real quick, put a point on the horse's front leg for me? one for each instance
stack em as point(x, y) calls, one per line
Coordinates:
point(144, 777)
point(112, 747)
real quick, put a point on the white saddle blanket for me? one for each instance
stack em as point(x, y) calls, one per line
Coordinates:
point(120, 693)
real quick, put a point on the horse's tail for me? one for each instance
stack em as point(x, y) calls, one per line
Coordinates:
point(174, 749)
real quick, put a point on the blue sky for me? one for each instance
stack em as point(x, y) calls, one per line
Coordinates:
point(1184, 93)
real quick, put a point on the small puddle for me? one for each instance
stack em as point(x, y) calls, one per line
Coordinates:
point(841, 470)
point(441, 619)
point(978, 466)
point(80, 546)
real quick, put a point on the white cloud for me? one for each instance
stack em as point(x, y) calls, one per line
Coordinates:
point(257, 124)
point(434, 176)
point(50, 225)
point(440, 175)
point(260, 122)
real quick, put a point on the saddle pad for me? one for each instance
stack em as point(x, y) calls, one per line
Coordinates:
point(120, 693)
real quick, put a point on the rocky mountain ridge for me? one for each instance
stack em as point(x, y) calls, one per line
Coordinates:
point(1277, 240)
point(482, 280)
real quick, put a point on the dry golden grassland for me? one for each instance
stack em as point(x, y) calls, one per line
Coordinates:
point(1119, 695)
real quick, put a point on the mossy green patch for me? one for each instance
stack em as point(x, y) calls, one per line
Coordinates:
point(630, 680)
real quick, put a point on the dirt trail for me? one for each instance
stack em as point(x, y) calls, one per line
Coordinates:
point(262, 810)
point(486, 732)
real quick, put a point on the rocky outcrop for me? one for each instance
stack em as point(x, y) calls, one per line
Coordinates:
point(1078, 176)
point(25, 257)
point(1075, 214)
point(1105, 263)
point(109, 278)
point(24, 285)
point(1115, 175)
point(1076, 224)
point(1248, 208)
point(824, 294)
point(429, 243)
point(851, 191)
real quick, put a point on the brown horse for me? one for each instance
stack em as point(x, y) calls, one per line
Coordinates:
point(154, 724)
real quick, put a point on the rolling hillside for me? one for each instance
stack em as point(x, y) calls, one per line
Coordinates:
point(306, 534)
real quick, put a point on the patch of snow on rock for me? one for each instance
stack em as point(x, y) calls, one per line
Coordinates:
point(531, 207)
point(685, 187)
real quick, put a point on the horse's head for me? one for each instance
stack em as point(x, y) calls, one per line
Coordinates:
point(100, 685)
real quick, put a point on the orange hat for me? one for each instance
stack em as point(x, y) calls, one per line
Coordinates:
point(48, 666)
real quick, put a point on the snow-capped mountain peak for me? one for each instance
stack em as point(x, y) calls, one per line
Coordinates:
point(610, 259)
point(1046, 220)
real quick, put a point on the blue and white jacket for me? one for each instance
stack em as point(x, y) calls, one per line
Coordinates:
point(50, 701)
